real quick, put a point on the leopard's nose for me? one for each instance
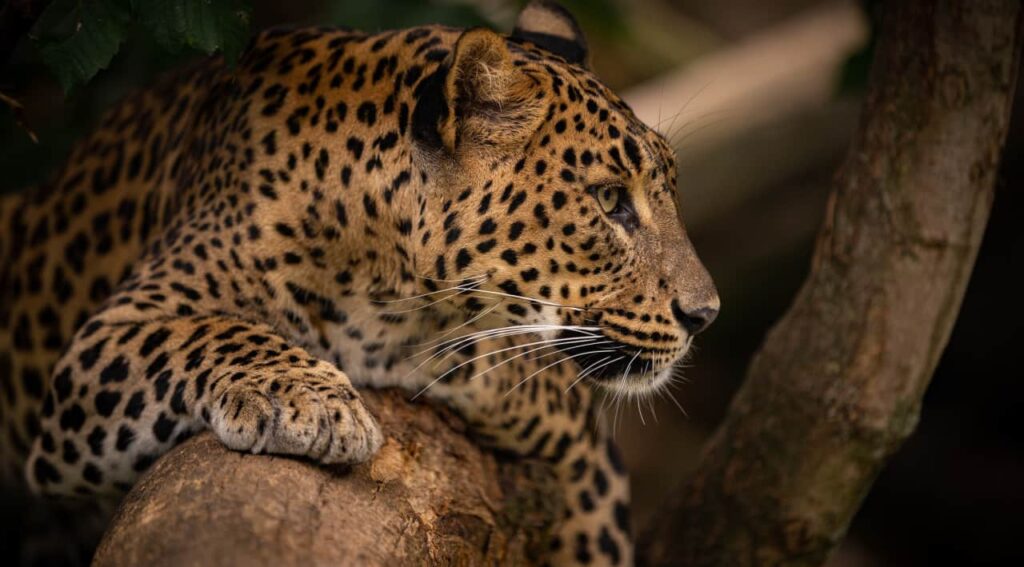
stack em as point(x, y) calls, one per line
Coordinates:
point(694, 319)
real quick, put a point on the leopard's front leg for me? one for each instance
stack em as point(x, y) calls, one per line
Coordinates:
point(544, 417)
point(596, 529)
point(127, 390)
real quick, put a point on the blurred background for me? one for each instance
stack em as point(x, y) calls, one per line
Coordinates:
point(760, 98)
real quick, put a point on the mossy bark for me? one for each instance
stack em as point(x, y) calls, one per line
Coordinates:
point(837, 386)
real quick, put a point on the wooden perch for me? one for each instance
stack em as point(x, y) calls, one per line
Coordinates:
point(429, 497)
point(837, 386)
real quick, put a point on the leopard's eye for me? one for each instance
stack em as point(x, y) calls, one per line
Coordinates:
point(608, 198)
point(615, 203)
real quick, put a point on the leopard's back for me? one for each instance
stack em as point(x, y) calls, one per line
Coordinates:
point(65, 244)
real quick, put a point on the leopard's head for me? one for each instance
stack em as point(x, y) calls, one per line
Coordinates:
point(556, 206)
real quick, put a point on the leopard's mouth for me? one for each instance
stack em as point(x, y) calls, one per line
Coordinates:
point(621, 366)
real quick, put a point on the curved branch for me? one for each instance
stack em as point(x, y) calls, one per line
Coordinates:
point(838, 384)
point(429, 497)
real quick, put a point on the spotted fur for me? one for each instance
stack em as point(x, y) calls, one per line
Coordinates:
point(234, 248)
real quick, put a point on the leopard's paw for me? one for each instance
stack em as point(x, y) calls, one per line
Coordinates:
point(304, 416)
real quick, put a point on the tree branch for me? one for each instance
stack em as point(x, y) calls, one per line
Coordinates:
point(837, 386)
point(429, 497)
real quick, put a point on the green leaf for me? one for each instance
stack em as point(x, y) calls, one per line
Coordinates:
point(205, 25)
point(78, 38)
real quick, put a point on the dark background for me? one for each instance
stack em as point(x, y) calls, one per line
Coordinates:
point(954, 493)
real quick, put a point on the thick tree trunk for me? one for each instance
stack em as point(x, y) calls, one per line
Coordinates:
point(429, 497)
point(838, 384)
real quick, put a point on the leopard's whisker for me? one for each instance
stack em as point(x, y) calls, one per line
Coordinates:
point(483, 313)
point(453, 346)
point(677, 375)
point(647, 368)
point(511, 330)
point(586, 343)
point(473, 338)
point(417, 308)
point(591, 343)
point(608, 405)
point(618, 412)
point(545, 355)
point(680, 111)
point(668, 392)
point(589, 331)
point(591, 370)
point(680, 137)
point(617, 395)
point(583, 373)
point(629, 365)
point(547, 344)
point(460, 286)
point(608, 296)
point(553, 364)
point(594, 368)
point(428, 294)
point(471, 282)
point(480, 277)
point(458, 342)
point(528, 299)
point(650, 405)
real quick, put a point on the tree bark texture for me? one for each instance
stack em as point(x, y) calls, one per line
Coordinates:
point(837, 386)
point(429, 497)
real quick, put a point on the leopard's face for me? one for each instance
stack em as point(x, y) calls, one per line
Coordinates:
point(567, 226)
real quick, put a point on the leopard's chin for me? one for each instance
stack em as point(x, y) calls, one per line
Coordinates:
point(626, 369)
point(636, 384)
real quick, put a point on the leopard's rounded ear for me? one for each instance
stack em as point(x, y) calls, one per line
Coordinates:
point(481, 69)
point(551, 27)
point(489, 99)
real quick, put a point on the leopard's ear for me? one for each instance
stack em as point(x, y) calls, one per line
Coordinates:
point(551, 27)
point(490, 101)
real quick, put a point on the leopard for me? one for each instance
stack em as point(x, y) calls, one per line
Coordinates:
point(466, 215)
